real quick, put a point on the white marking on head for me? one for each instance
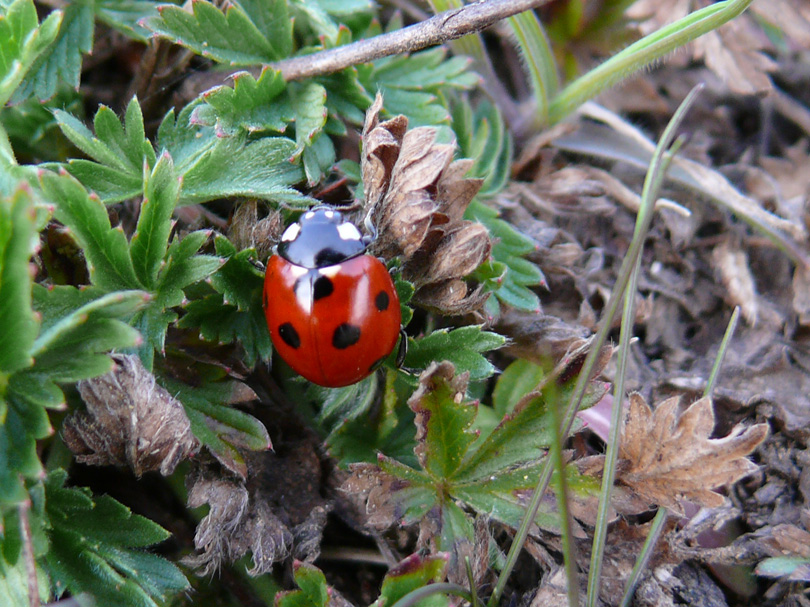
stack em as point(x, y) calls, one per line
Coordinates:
point(309, 215)
point(329, 214)
point(347, 231)
point(329, 271)
point(291, 233)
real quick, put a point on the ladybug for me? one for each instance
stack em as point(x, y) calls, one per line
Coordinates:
point(331, 309)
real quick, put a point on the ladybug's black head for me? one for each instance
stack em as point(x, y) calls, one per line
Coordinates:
point(321, 238)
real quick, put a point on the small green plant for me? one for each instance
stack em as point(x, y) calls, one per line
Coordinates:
point(113, 274)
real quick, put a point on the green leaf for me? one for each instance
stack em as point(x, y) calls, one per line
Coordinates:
point(218, 322)
point(95, 548)
point(248, 33)
point(511, 287)
point(493, 477)
point(526, 432)
point(387, 429)
point(22, 40)
point(220, 428)
point(235, 312)
point(313, 589)
point(119, 152)
point(125, 16)
point(251, 105)
point(517, 380)
point(18, 242)
point(233, 167)
point(462, 347)
point(410, 574)
point(105, 248)
point(443, 427)
point(309, 104)
point(411, 84)
point(75, 347)
point(14, 583)
point(148, 244)
point(61, 61)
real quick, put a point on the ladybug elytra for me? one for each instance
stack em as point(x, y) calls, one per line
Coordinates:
point(331, 309)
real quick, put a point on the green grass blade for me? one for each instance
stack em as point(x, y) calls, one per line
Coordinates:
point(642, 53)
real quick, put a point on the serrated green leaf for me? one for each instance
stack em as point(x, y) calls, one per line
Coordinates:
point(148, 244)
point(22, 41)
point(462, 347)
point(411, 83)
point(119, 152)
point(482, 135)
point(219, 427)
point(232, 167)
point(410, 574)
point(525, 433)
point(239, 278)
point(94, 549)
point(272, 18)
point(248, 33)
point(126, 15)
point(61, 61)
point(309, 103)
point(220, 323)
point(105, 248)
point(75, 347)
point(510, 245)
point(251, 105)
point(313, 591)
point(443, 423)
point(18, 242)
point(23, 426)
point(347, 403)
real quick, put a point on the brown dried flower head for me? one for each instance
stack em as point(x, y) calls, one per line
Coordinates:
point(130, 421)
point(417, 196)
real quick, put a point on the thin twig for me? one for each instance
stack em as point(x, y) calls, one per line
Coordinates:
point(445, 26)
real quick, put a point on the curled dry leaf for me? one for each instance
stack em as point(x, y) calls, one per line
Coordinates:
point(275, 513)
point(668, 459)
point(130, 421)
point(417, 196)
point(233, 526)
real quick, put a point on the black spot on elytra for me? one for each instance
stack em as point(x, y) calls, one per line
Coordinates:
point(289, 335)
point(377, 364)
point(323, 287)
point(345, 335)
point(381, 301)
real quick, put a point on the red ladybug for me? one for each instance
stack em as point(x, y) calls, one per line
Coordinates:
point(332, 310)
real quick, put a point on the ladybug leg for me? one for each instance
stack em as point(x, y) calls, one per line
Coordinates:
point(403, 349)
point(370, 228)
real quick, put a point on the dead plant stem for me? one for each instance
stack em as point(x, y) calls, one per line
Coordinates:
point(445, 26)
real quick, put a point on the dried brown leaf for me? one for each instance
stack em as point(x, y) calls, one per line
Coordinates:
point(417, 195)
point(732, 263)
point(234, 525)
point(130, 421)
point(382, 489)
point(247, 230)
point(669, 458)
point(733, 51)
